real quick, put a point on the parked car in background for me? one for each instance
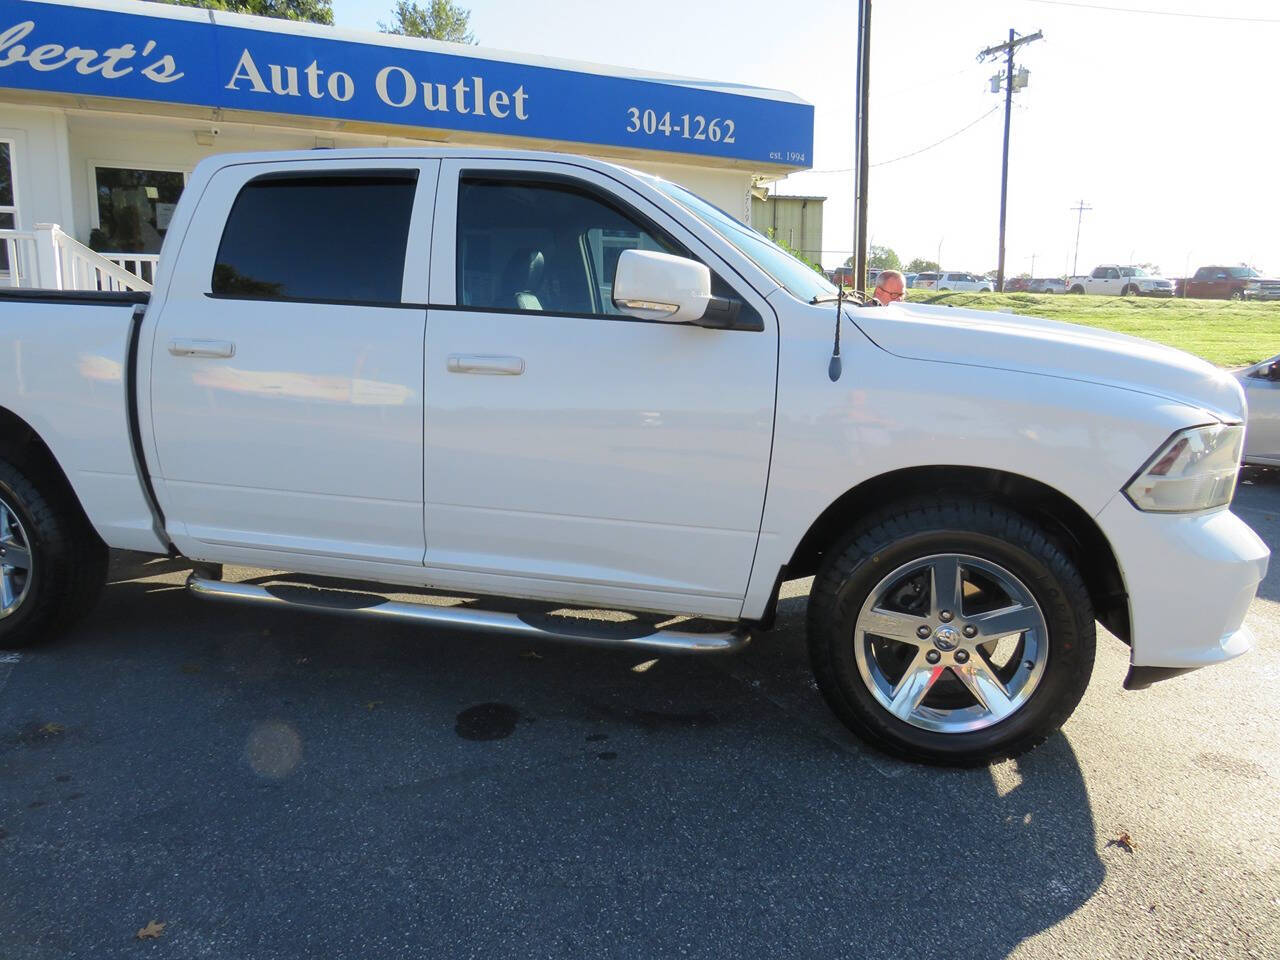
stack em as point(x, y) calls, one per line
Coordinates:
point(926, 281)
point(1111, 279)
point(1261, 384)
point(909, 279)
point(1048, 285)
point(1229, 283)
point(1017, 285)
point(965, 283)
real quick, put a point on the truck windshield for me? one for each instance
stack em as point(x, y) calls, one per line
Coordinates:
point(798, 278)
point(1132, 272)
point(1243, 272)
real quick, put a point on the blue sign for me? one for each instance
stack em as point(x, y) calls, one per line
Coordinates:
point(203, 62)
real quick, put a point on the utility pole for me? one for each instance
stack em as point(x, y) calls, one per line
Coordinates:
point(861, 165)
point(1007, 49)
point(1080, 208)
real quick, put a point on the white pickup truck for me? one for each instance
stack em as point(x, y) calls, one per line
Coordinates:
point(1114, 280)
point(539, 376)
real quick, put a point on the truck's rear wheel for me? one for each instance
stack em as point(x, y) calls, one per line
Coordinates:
point(52, 565)
point(1237, 295)
point(953, 632)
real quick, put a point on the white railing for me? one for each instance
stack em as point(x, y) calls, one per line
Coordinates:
point(139, 264)
point(20, 264)
point(47, 258)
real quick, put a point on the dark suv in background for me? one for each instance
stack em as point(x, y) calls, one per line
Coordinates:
point(1229, 283)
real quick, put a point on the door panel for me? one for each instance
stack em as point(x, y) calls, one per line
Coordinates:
point(308, 439)
point(286, 426)
point(626, 455)
point(1262, 434)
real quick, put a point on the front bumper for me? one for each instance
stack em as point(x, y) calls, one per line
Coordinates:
point(1157, 292)
point(1266, 293)
point(1190, 580)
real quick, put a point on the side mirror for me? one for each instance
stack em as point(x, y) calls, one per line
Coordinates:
point(659, 286)
point(1272, 372)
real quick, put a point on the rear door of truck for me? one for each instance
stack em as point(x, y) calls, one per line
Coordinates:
point(285, 389)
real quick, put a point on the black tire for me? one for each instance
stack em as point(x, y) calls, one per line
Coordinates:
point(916, 529)
point(68, 560)
point(1077, 289)
point(1129, 290)
point(1237, 294)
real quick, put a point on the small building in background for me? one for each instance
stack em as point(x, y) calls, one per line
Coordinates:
point(794, 221)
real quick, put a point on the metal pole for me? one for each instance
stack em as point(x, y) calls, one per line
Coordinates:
point(1075, 260)
point(861, 165)
point(1004, 169)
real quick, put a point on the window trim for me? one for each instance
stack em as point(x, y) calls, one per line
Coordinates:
point(572, 184)
point(13, 179)
point(408, 174)
point(95, 220)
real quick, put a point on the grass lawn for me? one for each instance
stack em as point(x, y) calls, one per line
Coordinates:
point(1224, 332)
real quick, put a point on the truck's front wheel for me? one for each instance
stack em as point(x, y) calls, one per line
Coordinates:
point(52, 565)
point(953, 632)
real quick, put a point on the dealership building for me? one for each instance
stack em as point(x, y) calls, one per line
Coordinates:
point(106, 107)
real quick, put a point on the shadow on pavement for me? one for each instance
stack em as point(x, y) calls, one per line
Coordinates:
point(277, 784)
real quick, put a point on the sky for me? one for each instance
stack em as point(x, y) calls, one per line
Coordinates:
point(1165, 125)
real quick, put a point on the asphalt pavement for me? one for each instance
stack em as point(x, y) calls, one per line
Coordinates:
point(257, 784)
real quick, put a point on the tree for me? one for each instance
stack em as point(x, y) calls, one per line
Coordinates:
point(880, 258)
point(921, 265)
point(441, 20)
point(312, 11)
point(883, 258)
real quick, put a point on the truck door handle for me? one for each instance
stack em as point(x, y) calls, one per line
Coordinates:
point(492, 366)
point(202, 348)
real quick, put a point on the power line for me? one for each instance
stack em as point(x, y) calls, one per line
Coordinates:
point(938, 143)
point(1154, 13)
point(914, 153)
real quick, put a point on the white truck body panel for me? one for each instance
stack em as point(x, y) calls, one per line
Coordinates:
point(608, 461)
point(62, 371)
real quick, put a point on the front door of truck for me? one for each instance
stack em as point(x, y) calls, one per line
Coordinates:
point(565, 441)
point(286, 367)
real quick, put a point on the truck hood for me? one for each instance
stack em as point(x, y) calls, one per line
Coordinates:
point(1050, 348)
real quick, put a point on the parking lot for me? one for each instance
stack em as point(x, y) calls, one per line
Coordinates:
point(278, 784)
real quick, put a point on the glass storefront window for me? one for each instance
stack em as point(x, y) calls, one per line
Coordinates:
point(8, 209)
point(134, 208)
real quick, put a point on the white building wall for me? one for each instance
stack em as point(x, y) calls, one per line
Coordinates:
point(41, 164)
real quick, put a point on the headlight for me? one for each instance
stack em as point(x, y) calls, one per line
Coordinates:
point(1195, 470)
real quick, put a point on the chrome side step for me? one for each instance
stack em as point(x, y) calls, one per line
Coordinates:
point(527, 626)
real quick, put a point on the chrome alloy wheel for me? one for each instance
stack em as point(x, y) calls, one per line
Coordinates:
point(951, 643)
point(15, 561)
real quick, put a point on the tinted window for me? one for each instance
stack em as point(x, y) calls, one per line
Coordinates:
point(548, 247)
point(542, 246)
point(331, 237)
